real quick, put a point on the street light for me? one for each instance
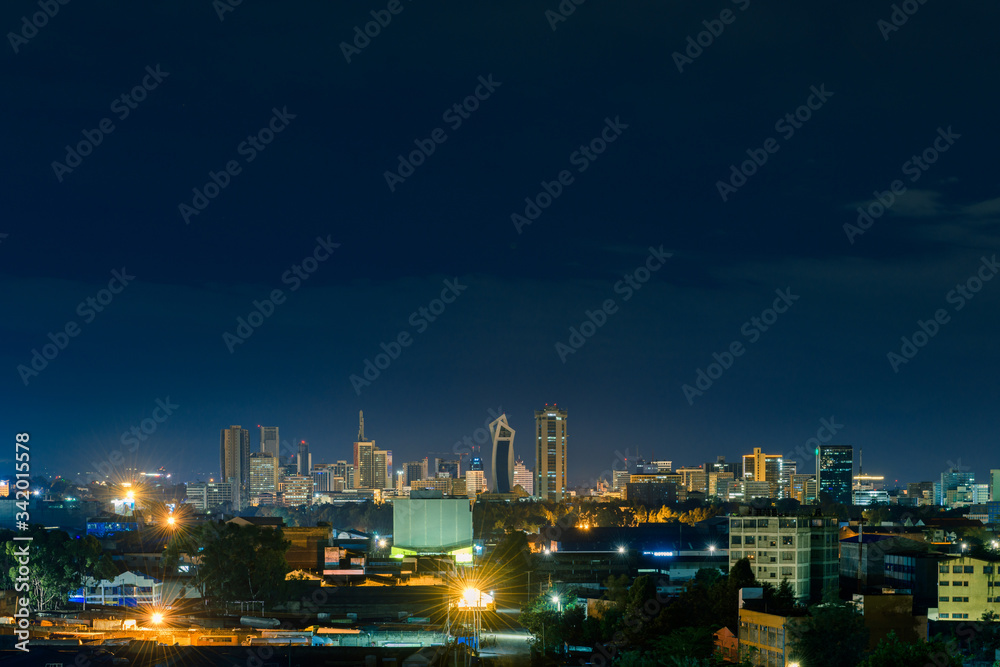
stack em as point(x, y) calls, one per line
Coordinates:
point(621, 550)
point(556, 601)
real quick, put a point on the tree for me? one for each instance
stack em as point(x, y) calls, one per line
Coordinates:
point(833, 635)
point(779, 599)
point(891, 652)
point(59, 565)
point(235, 563)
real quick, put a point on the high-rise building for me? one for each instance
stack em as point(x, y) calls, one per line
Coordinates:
point(303, 460)
point(475, 481)
point(380, 471)
point(951, 479)
point(761, 467)
point(364, 470)
point(524, 478)
point(269, 440)
point(836, 472)
point(297, 490)
point(234, 462)
point(413, 472)
point(550, 453)
point(265, 475)
point(502, 462)
point(995, 484)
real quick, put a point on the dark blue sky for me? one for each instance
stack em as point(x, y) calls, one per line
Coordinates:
point(883, 101)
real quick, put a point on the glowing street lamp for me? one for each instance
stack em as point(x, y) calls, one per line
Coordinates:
point(156, 618)
point(621, 550)
point(558, 602)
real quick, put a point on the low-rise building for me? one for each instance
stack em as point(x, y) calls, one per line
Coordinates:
point(764, 639)
point(967, 588)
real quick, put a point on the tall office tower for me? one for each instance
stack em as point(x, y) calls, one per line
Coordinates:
point(524, 478)
point(265, 475)
point(761, 467)
point(995, 484)
point(234, 462)
point(550, 453)
point(476, 464)
point(836, 472)
point(413, 472)
point(363, 471)
point(619, 478)
point(388, 469)
point(380, 473)
point(502, 462)
point(951, 479)
point(303, 460)
point(364, 467)
point(789, 469)
point(424, 468)
point(269, 440)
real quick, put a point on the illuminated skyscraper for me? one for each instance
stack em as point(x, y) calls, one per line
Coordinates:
point(550, 453)
point(836, 472)
point(364, 477)
point(265, 475)
point(761, 467)
point(234, 462)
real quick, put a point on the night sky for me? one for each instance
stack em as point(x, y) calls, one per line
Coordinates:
point(673, 125)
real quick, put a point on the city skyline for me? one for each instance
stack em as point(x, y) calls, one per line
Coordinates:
point(694, 248)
